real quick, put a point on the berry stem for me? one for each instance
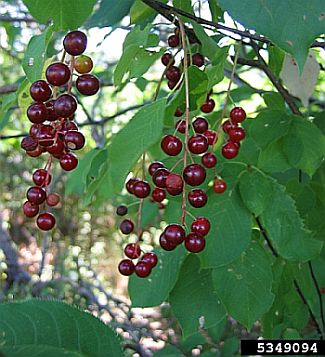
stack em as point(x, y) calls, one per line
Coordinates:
point(139, 230)
point(71, 75)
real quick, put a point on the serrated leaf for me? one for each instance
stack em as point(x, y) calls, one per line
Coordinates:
point(56, 324)
point(215, 71)
point(155, 290)
point(66, 15)
point(276, 57)
point(244, 286)
point(292, 25)
point(202, 304)
point(273, 159)
point(8, 101)
point(274, 101)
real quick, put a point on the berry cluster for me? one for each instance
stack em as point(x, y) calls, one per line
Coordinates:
point(53, 130)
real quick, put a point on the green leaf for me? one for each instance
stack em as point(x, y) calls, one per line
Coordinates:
point(140, 11)
point(255, 190)
point(215, 70)
point(202, 304)
point(37, 351)
point(185, 5)
point(285, 227)
point(216, 11)
point(8, 101)
point(209, 46)
point(319, 121)
point(273, 159)
point(168, 351)
point(276, 57)
point(55, 324)
point(244, 286)
point(155, 290)
point(23, 96)
point(274, 101)
point(142, 131)
point(66, 15)
point(292, 25)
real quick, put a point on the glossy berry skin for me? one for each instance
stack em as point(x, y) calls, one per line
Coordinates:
point(58, 74)
point(174, 184)
point(197, 198)
point(132, 250)
point(198, 59)
point(194, 174)
point(171, 145)
point(46, 135)
point(165, 244)
point(30, 210)
point(33, 131)
point(29, 143)
point(171, 84)
point(227, 125)
point(52, 199)
point(237, 115)
point(160, 176)
point(158, 194)
point(57, 148)
point(150, 258)
point(198, 144)
point(45, 221)
point(201, 226)
point(173, 74)
point(130, 185)
point(126, 267)
point(154, 166)
point(41, 177)
point(87, 84)
point(36, 195)
point(174, 233)
point(126, 226)
point(200, 125)
point(219, 186)
point(65, 105)
point(37, 113)
point(212, 136)
point(229, 150)
point(83, 64)
point(180, 126)
point(178, 113)
point(173, 40)
point(74, 140)
point(167, 59)
point(208, 106)
point(141, 189)
point(236, 134)
point(51, 115)
point(75, 43)
point(69, 125)
point(142, 269)
point(121, 210)
point(209, 160)
point(194, 242)
point(40, 91)
point(68, 161)
point(36, 152)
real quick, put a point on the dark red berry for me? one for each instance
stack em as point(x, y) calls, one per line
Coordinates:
point(45, 221)
point(209, 160)
point(229, 150)
point(36, 195)
point(132, 250)
point(171, 145)
point(173, 40)
point(69, 125)
point(227, 125)
point(65, 105)
point(158, 194)
point(219, 186)
point(34, 130)
point(197, 198)
point(150, 258)
point(200, 125)
point(130, 185)
point(154, 166)
point(74, 140)
point(160, 176)
point(68, 161)
point(198, 59)
point(51, 115)
point(121, 210)
point(42, 177)
point(174, 184)
point(174, 233)
point(141, 189)
point(83, 64)
point(180, 126)
point(29, 143)
point(236, 134)
point(198, 144)
point(30, 210)
point(167, 59)
point(178, 113)
point(194, 174)
point(212, 136)
point(171, 84)
point(36, 152)
point(142, 269)
point(201, 225)
point(173, 74)
point(87, 84)
point(165, 244)
point(208, 106)
point(40, 91)
point(75, 43)
point(126, 267)
point(237, 115)
point(52, 199)
point(46, 135)
point(194, 242)
point(126, 226)
point(57, 148)
point(58, 74)
point(37, 113)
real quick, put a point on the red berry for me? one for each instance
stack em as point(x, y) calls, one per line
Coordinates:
point(219, 186)
point(57, 148)
point(87, 84)
point(165, 244)
point(45, 221)
point(142, 269)
point(37, 113)
point(150, 258)
point(52, 199)
point(198, 144)
point(121, 210)
point(171, 145)
point(41, 177)
point(174, 184)
point(167, 59)
point(158, 194)
point(194, 242)
point(173, 40)
point(132, 250)
point(74, 140)
point(180, 126)
point(227, 125)
point(126, 267)
point(68, 161)
point(69, 125)
point(229, 150)
point(130, 185)
point(65, 105)
point(51, 115)
point(194, 174)
point(201, 225)
point(174, 233)
point(173, 74)
point(40, 91)
point(58, 74)
point(171, 84)
point(198, 59)
point(212, 136)
point(83, 64)
point(160, 176)
point(154, 166)
point(178, 113)
point(36, 195)
point(30, 210)
point(29, 143)
point(34, 130)
point(200, 125)
point(197, 198)
point(75, 43)
point(237, 115)
point(209, 160)
point(46, 135)
point(208, 106)
point(36, 152)
point(236, 134)
point(141, 189)
point(126, 226)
